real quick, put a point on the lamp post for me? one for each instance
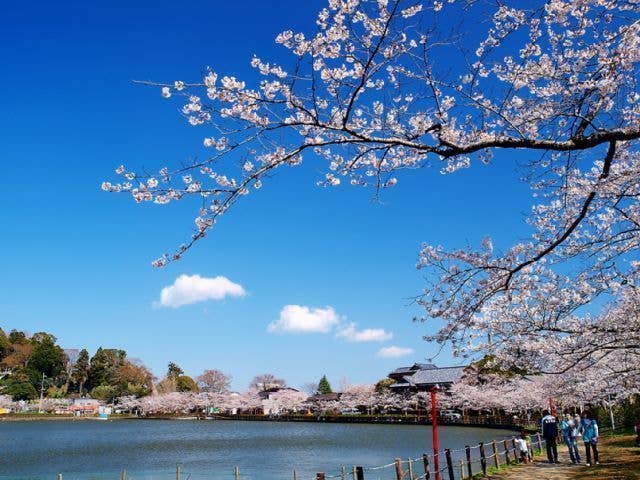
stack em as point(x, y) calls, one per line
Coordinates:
point(41, 394)
point(611, 419)
point(434, 430)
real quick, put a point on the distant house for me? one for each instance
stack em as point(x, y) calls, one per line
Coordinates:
point(85, 406)
point(269, 392)
point(62, 409)
point(325, 397)
point(424, 376)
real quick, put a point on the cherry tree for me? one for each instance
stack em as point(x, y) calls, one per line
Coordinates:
point(55, 404)
point(250, 400)
point(374, 94)
point(326, 406)
point(213, 381)
point(286, 401)
point(358, 396)
point(230, 402)
point(265, 381)
point(517, 395)
point(597, 385)
point(405, 402)
point(548, 335)
point(7, 402)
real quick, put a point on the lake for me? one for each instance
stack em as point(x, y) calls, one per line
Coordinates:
point(150, 449)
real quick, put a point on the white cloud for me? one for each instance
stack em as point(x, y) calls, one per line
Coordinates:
point(394, 352)
point(301, 319)
point(189, 289)
point(351, 334)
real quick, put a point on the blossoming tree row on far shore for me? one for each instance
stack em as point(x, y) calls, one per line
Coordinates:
point(521, 397)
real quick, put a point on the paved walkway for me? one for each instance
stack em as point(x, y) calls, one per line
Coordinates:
point(620, 460)
point(538, 471)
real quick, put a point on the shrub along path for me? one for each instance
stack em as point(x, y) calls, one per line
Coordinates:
point(619, 460)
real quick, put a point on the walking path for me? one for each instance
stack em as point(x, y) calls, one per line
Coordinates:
point(619, 460)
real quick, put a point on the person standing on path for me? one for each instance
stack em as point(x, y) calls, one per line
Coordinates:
point(549, 426)
point(590, 438)
point(522, 447)
point(566, 427)
point(576, 431)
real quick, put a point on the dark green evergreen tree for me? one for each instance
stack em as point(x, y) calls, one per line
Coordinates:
point(384, 385)
point(18, 337)
point(80, 372)
point(20, 390)
point(104, 366)
point(174, 371)
point(324, 386)
point(46, 358)
point(186, 384)
point(5, 345)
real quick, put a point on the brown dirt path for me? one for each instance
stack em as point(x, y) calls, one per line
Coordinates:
point(619, 460)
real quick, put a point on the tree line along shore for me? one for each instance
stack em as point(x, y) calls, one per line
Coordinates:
point(38, 375)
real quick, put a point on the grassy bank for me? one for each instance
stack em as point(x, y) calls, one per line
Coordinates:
point(28, 417)
point(620, 459)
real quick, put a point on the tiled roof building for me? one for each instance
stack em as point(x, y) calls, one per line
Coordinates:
point(424, 376)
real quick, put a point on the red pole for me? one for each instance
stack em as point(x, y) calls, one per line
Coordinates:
point(552, 409)
point(434, 430)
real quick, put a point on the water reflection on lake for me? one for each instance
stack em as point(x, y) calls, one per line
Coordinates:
point(150, 449)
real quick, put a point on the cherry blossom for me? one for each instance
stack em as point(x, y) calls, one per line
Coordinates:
point(369, 96)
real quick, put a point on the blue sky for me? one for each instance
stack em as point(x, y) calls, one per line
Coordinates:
point(76, 260)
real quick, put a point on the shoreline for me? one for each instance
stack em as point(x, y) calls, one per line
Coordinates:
point(365, 420)
point(34, 417)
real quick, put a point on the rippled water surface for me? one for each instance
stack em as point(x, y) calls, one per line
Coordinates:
point(150, 449)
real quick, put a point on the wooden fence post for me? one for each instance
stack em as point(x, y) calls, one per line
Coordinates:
point(483, 459)
point(410, 468)
point(399, 474)
point(496, 460)
point(343, 473)
point(353, 473)
point(515, 450)
point(359, 473)
point(467, 450)
point(123, 474)
point(462, 469)
point(295, 474)
point(178, 472)
point(425, 462)
point(236, 472)
point(506, 451)
point(320, 476)
point(540, 443)
point(59, 476)
point(447, 455)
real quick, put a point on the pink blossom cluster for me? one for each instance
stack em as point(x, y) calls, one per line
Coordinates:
point(371, 93)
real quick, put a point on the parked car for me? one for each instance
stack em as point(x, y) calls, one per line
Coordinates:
point(451, 416)
point(349, 411)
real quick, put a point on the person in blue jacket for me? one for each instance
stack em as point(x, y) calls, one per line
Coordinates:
point(549, 425)
point(567, 429)
point(590, 438)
